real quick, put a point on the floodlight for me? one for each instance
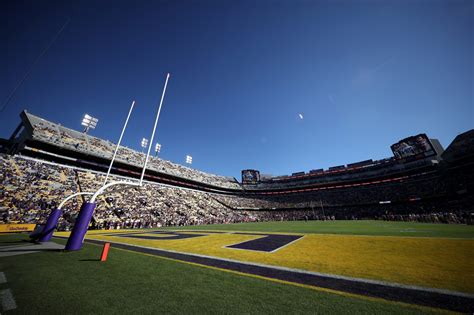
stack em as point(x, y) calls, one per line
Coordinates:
point(89, 122)
point(144, 143)
point(157, 148)
point(189, 159)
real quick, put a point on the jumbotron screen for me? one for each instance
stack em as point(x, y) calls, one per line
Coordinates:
point(250, 177)
point(413, 146)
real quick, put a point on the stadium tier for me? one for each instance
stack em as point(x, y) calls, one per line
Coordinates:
point(47, 138)
point(45, 162)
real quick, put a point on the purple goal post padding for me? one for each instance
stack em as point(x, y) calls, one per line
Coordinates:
point(48, 230)
point(80, 227)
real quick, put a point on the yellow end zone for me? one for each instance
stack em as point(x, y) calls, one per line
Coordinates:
point(428, 262)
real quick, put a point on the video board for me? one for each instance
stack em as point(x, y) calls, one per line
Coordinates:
point(418, 145)
point(250, 177)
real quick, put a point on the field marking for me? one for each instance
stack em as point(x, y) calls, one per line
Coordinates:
point(164, 235)
point(281, 247)
point(252, 250)
point(315, 288)
point(334, 276)
point(8, 301)
point(256, 250)
point(3, 278)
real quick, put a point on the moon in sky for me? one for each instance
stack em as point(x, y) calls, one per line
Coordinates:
point(301, 116)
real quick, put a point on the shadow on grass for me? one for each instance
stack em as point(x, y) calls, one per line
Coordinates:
point(12, 242)
point(15, 242)
point(89, 259)
point(32, 250)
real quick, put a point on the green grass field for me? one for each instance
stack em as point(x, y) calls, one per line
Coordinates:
point(131, 282)
point(76, 283)
point(382, 228)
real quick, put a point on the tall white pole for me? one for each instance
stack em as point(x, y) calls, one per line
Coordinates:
point(154, 128)
point(118, 143)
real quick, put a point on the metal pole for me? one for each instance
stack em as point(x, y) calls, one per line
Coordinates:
point(154, 128)
point(72, 196)
point(118, 143)
point(103, 188)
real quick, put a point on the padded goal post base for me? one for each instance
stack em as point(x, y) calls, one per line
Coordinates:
point(76, 239)
point(51, 224)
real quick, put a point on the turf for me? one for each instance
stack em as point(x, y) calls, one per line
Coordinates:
point(363, 227)
point(76, 283)
point(12, 239)
point(422, 261)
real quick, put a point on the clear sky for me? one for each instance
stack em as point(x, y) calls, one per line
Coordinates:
point(364, 74)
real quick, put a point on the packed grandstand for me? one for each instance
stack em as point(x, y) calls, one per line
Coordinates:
point(43, 162)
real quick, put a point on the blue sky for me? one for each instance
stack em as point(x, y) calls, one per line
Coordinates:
point(365, 74)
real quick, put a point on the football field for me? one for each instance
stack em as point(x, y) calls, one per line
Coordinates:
point(392, 258)
point(421, 261)
point(372, 265)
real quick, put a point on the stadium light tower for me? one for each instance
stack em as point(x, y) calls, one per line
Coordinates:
point(189, 159)
point(89, 122)
point(144, 144)
point(157, 148)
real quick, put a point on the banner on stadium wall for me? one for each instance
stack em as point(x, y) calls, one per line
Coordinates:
point(14, 228)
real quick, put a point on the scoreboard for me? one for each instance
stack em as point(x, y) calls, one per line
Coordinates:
point(415, 146)
point(250, 177)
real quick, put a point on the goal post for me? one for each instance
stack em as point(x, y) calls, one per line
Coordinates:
point(76, 239)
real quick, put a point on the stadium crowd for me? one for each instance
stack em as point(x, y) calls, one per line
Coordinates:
point(60, 136)
point(31, 188)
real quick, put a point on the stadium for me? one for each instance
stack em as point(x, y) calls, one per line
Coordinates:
point(397, 229)
point(296, 157)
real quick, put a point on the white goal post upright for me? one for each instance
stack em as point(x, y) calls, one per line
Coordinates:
point(154, 128)
point(79, 231)
point(119, 141)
